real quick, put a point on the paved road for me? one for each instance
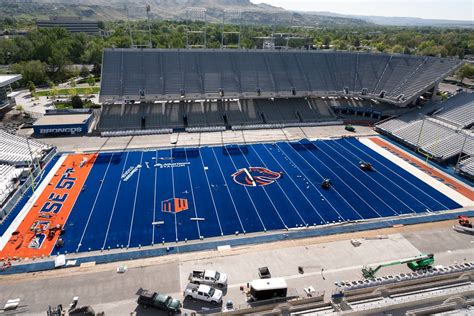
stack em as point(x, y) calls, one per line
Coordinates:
point(114, 293)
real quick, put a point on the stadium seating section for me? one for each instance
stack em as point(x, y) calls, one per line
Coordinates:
point(442, 130)
point(14, 157)
point(197, 116)
point(205, 74)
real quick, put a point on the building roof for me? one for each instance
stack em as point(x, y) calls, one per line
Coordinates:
point(268, 284)
point(62, 119)
point(8, 79)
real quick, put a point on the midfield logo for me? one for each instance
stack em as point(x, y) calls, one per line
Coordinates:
point(174, 205)
point(255, 176)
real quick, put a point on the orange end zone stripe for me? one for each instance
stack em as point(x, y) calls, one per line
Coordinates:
point(455, 185)
point(52, 208)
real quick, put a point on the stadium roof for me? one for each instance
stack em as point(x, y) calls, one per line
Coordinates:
point(171, 74)
point(62, 119)
point(8, 79)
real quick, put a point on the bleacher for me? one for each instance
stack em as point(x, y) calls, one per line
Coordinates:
point(15, 150)
point(466, 167)
point(458, 110)
point(8, 178)
point(440, 129)
point(197, 115)
point(15, 155)
point(159, 74)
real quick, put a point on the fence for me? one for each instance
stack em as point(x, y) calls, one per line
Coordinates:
point(22, 189)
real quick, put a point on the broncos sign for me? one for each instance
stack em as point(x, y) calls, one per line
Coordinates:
point(255, 176)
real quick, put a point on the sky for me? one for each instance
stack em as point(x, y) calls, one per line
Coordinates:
point(427, 9)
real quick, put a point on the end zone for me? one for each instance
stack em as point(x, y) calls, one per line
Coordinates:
point(437, 179)
point(37, 228)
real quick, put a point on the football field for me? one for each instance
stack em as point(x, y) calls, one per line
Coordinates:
point(126, 199)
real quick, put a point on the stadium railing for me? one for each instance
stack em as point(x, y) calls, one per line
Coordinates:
point(22, 189)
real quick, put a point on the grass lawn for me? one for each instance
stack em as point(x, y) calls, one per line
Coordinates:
point(45, 93)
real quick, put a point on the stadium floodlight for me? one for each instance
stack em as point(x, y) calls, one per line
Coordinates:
point(232, 17)
point(196, 14)
point(142, 33)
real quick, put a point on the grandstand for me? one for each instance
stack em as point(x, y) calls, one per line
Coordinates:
point(15, 157)
point(441, 130)
point(181, 89)
point(215, 113)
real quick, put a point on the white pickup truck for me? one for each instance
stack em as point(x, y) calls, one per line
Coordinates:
point(208, 277)
point(203, 293)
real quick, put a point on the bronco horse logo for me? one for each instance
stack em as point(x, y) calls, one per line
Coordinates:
point(255, 176)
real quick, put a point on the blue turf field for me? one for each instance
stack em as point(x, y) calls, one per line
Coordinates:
point(122, 200)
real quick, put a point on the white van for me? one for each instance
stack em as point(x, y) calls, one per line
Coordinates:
point(264, 289)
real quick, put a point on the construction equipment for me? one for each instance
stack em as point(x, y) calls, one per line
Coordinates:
point(465, 226)
point(349, 128)
point(464, 221)
point(326, 184)
point(366, 166)
point(421, 262)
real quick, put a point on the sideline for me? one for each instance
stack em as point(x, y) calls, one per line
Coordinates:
point(435, 178)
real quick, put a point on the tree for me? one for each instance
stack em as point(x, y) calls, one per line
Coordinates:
point(31, 87)
point(91, 81)
point(326, 41)
point(58, 60)
point(466, 71)
point(53, 93)
point(96, 70)
point(34, 71)
point(357, 42)
point(84, 73)
point(76, 102)
point(398, 49)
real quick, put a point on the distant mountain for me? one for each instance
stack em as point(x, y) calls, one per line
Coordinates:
point(400, 21)
point(169, 9)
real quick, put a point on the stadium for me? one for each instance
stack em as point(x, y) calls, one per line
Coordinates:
point(416, 166)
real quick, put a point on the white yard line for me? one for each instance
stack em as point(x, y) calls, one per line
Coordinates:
point(228, 189)
point(281, 189)
point(95, 202)
point(268, 196)
point(154, 201)
point(174, 196)
point(248, 194)
point(135, 201)
point(192, 194)
point(28, 205)
point(324, 221)
point(115, 202)
point(212, 194)
point(451, 193)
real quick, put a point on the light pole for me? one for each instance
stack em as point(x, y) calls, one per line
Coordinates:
point(32, 164)
point(460, 153)
point(419, 135)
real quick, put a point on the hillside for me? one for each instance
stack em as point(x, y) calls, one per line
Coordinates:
point(110, 10)
point(400, 21)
